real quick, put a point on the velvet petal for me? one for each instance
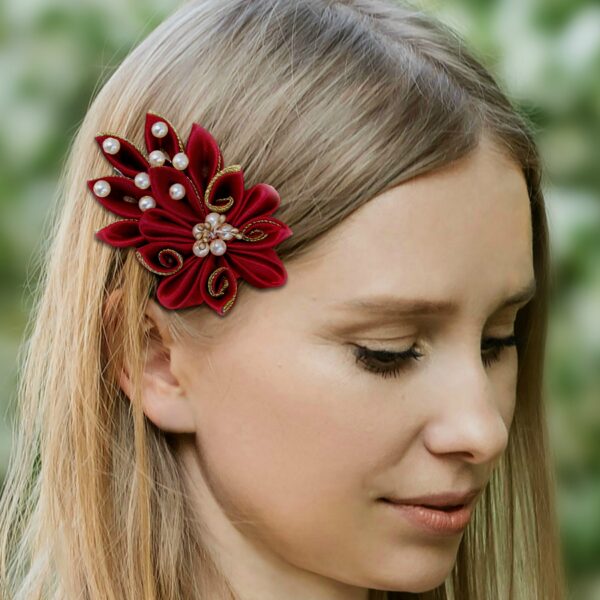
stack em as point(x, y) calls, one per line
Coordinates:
point(261, 269)
point(121, 234)
point(261, 200)
point(123, 197)
point(170, 144)
point(189, 207)
point(129, 159)
point(204, 155)
point(267, 233)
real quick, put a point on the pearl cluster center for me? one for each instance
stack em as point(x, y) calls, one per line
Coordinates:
point(211, 235)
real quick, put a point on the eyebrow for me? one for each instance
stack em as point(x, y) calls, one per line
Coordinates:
point(392, 306)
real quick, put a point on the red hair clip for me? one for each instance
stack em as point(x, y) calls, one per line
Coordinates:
point(189, 218)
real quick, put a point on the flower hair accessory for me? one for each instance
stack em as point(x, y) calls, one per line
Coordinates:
point(189, 218)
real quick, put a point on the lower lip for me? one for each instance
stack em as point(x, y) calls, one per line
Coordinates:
point(432, 520)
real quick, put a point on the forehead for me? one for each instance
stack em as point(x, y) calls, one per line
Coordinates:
point(462, 232)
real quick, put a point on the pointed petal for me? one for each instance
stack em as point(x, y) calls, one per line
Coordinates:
point(259, 234)
point(183, 289)
point(123, 197)
point(129, 159)
point(261, 199)
point(170, 144)
point(121, 233)
point(204, 155)
point(225, 190)
point(219, 284)
point(261, 269)
point(157, 224)
point(163, 258)
point(189, 207)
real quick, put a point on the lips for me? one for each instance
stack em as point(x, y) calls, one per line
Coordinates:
point(441, 501)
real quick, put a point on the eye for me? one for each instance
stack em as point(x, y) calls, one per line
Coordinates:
point(385, 362)
point(388, 363)
point(493, 348)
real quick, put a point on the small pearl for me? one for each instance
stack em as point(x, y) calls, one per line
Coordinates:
point(111, 145)
point(160, 129)
point(157, 158)
point(180, 161)
point(146, 202)
point(177, 191)
point(197, 230)
point(218, 247)
point(102, 188)
point(142, 180)
point(212, 218)
point(225, 231)
point(200, 249)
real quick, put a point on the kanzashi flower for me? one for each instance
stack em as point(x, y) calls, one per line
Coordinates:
point(190, 219)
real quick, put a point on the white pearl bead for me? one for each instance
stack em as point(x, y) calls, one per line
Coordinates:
point(159, 129)
point(197, 230)
point(212, 218)
point(157, 158)
point(200, 249)
point(111, 145)
point(225, 231)
point(218, 247)
point(177, 191)
point(180, 161)
point(102, 188)
point(142, 180)
point(146, 202)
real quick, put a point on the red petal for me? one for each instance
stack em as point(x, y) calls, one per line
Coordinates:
point(170, 144)
point(163, 258)
point(261, 269)
point(227, 183)
point(157, 224)
point(120, 187)
point(204, 155)
point(121, 233)
point(219, 284)
point(261, 199)
point(129, 159)
point(267, 232)
point(189, 207)
point(183, 289)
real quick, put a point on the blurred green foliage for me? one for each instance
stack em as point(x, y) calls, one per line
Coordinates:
point(546, 55)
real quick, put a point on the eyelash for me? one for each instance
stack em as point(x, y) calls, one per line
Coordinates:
point(400, 360)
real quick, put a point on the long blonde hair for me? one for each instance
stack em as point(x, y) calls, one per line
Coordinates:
point(332, 103)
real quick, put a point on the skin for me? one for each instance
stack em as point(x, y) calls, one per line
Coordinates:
point(288, 442)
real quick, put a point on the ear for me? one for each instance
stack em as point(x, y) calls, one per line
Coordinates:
point(164, 401)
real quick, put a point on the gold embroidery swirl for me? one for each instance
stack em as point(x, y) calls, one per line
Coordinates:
point(230, 200)
point(170, 251)
point(211, 279)
point(260, 231)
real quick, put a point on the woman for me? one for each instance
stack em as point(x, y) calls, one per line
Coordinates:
point(286, 445)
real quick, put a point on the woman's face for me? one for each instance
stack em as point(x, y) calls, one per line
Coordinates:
point(295, 439)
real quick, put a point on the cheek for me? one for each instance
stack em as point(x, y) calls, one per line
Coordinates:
point(288, 446)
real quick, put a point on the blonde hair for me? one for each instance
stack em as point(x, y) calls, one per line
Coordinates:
point(332, 103)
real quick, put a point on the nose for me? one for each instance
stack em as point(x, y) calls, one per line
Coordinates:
point(468, 412)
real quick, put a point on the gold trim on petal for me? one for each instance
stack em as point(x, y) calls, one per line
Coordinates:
point(181, 148)
point(178, 256)
point(256, 239)
point(116, 135)
point(211, 279)
point(230, 200)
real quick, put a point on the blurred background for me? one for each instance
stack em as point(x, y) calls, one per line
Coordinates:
point(55, 54)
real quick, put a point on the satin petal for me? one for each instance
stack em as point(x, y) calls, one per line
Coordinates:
point(129, 159)
point(121, 233)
